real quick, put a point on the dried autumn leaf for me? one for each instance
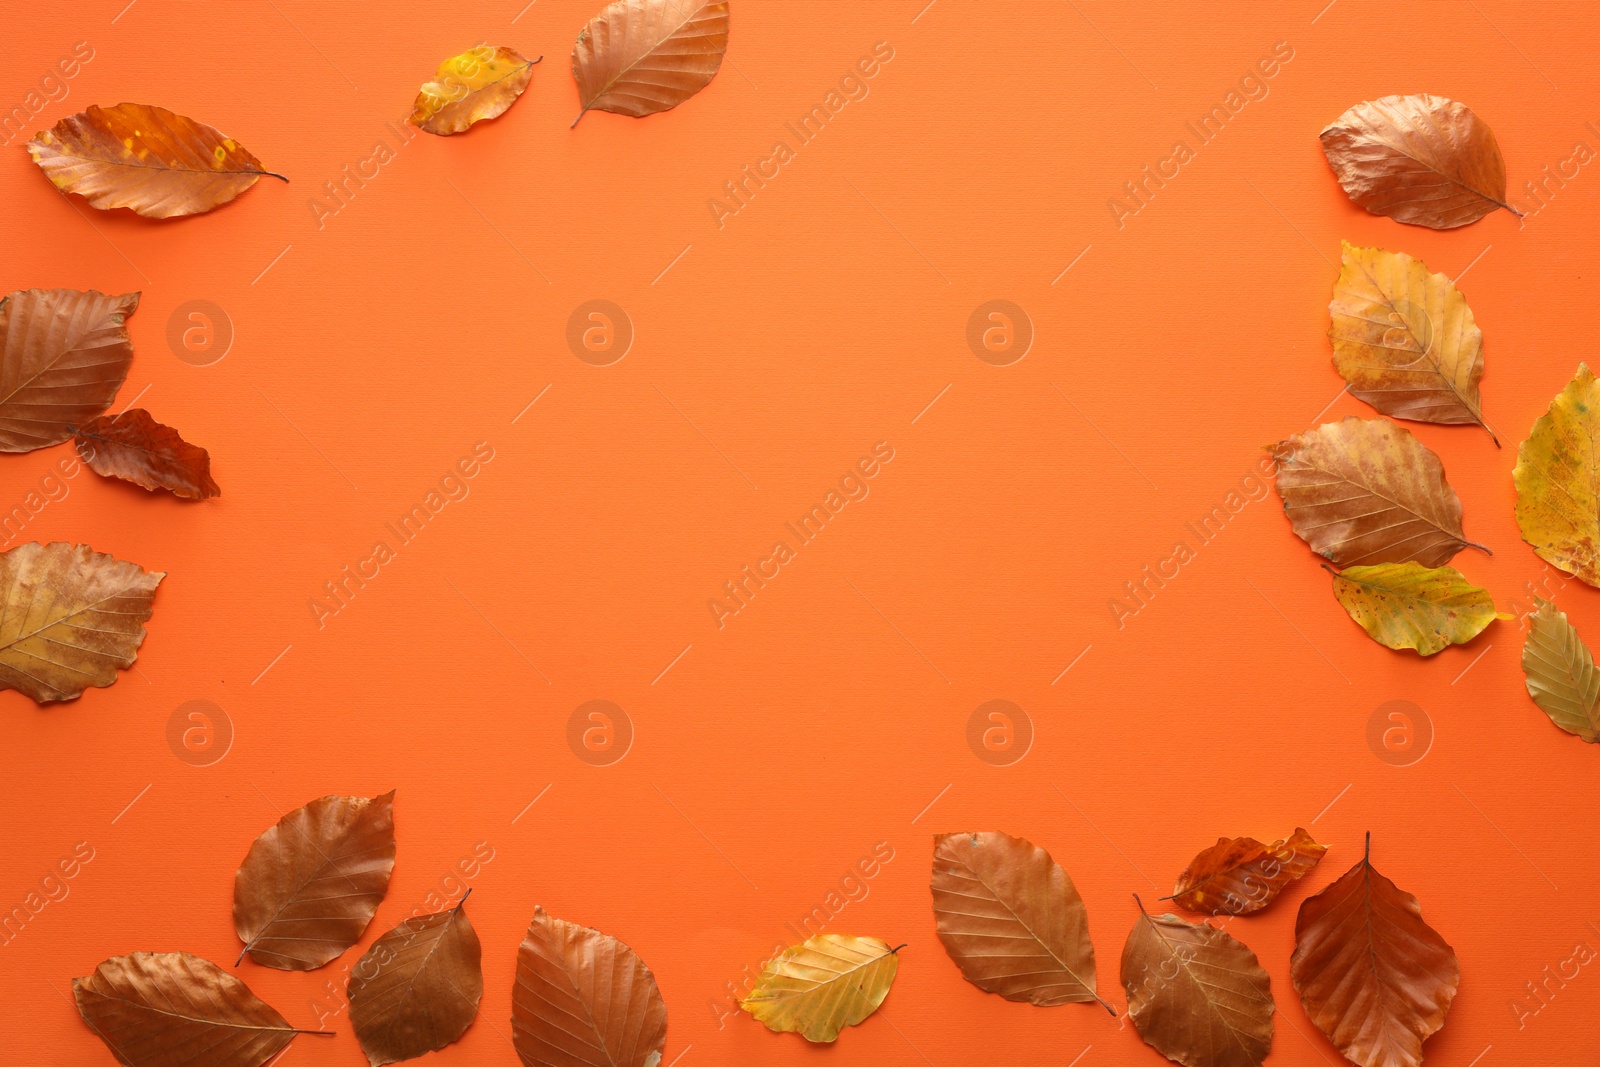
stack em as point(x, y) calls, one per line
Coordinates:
point(1367, 491)
point(138, 449)
point(584, 999)
point(638, 57)
point(1418, 159)
point(69, 618)
point(310, 883)
point(1560, 673)
point(417, 988)
point(1196, 995)
point(171, 1009)
point(63, 356)
point(820, 986)
point(1240, 875)
point(155, 163)
point(1011, 919)
point(1407, 605)
point(481, 83)
point(1406, 340)
point(1558, 498)
point(1371, 974)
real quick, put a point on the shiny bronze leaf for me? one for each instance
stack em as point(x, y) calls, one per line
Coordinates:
point(1240, 875)
point(1012, 920)
point(822, 985)
point(155, 163)
point(138, 449)
point(311, 883)
point(171, 1009)
point(584, 999)
point(638, 57)
point(1196, 995)
point(1560, 673)
point(63, 356)
point(69, 618)
point(1371, 974)
point(1419, 159)
point(417, 988)
point(479, 84)
point(1367, 491)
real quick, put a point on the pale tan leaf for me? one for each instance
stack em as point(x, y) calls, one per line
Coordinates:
point(638, 57)
point(417, 988)
point(1240, 875)
point(481, 83)
point(138, 449)
point(1560, 673)
point(820, 986)
point(63, 356)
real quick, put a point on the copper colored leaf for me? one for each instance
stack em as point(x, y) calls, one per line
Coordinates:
point(638, 57)
point(1196, 995)
point(155, 163)
point(69, 618)
point(63, 356)
point(1366, 491)
point(481, 83)
point(1012, 920)
point(1407, 605)
point(417, 988)
point(822, 985)
point(1406, 340)
point(1240, 875)
point(1371, 974)
point(584, 999)
point(171, 1009)
point(136, 448)
point(1419, 159)
point(1558, 480)
point(310, 884)
point(1560, 673)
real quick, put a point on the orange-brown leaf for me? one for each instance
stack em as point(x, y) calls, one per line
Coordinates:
point(171, 1009)
point(311, 883)
point(138, 449)
point(63, 356)
point(417, 988)
point(1419, 159)
point(584, 999)
point(1371, 974)
point(1240, 875)
point(638, 57)
point(150, 160)
point(479, 84)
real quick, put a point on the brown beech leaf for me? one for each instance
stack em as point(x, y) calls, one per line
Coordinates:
point(1367, 491)
point(138, 449)
point(310, 884)
point(1419, 159)
point(171, 1009)
point(638, 57)
point(822, 985)
point(1240, 875)
point(1371, 974)
point(584, 999)
point(417, 988)
point(481, 83)
point(1012, 920)
point(69, 618)
point(1196, 995)
point(63, 356)
point(1560, 673)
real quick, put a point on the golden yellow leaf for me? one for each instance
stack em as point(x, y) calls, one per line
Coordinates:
point(1560, 673)
point(1407, 605)
point(819, 987)
point(481, 83)
point(1558, 498)
point(1406, 340)
point(638, 57)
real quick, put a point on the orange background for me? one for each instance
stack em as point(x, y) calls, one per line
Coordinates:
point(831, 713)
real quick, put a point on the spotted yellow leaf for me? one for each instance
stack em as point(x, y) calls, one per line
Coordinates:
point(1407, 605)
point(481, 83)
point(819, 987)
point(1558, 489)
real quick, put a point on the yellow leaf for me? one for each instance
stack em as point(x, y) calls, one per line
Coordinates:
point(1407, 605)
point(1406, 340)
point(481, 83)
point(1561, 677)
point(819, 987)
point(1558, 501)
